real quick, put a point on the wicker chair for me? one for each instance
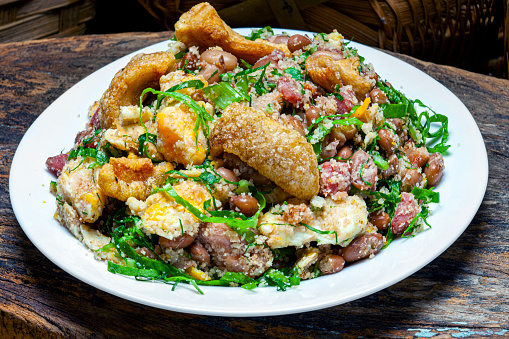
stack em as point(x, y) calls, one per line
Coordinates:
point(463, 33)
point(36, 19)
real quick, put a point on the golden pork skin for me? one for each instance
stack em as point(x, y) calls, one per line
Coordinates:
point(201, 26)
point(279, 153)
point(143, 71)
point(327, 71)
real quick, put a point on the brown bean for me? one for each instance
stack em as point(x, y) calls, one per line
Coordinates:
point(212, 73)
point(333, 55)
point(409, 147)
point(419, 157)
point(257, 178)
point(350, 131)
point(227, 174)
point(411, 179)
point(398, 124)
point(435, 169)
point(362, 247)
point(329, 148)
point(296, 125)
point(188, 61)
point(345, 152)
point(181, 241)
point(388, 141)
point(312, 114)
point(380, 219)
point(144, 251)
point(280, 39)
point(393, 167)
point(337, 134)
point(212, 57)
point(298, 41)
point(331, 263)
point(378, 96)
point(199, 253)
point(247, 204)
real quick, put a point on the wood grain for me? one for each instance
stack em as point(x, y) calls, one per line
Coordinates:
point(462, 293)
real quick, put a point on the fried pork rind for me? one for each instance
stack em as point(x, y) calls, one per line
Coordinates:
point(327, 72)
point(122, 178)
point(201, 26)
point(143, 71)
point(277, 152)
point(78, 187)
point(348, 218)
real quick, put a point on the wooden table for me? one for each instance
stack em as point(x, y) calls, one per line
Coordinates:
point(462, 293)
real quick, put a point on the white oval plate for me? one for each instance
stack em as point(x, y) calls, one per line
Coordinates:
point(55, 129)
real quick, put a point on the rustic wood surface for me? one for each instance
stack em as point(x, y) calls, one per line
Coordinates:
point(462, 293)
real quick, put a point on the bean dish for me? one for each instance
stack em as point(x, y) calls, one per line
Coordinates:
point(249, 161)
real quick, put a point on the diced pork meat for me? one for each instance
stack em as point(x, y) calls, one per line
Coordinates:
point(56, 164)
point(335, 178)
point(405, 212)
point(364, 171)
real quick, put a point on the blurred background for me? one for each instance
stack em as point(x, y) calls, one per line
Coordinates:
point(470, 34)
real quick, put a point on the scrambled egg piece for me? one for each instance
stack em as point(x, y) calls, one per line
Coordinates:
point(163, 216)
point(78, 187)
point(176, 137)
point(348, 218)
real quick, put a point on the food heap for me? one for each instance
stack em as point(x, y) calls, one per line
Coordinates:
point(248, 161)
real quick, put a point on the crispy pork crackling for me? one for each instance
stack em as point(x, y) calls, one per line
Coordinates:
point(143, 71)
point(201, 26)
point(328, 72)
point(277, 152)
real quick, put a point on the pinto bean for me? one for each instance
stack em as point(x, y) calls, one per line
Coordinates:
point(350, 131)
point(273, 58)
point(199, 253)
point(296, 125)
point(398, 124)
point(388, 141)
point(411, 179)
point(227, 174)
point(329, 148)
point(181, 241)
point(188, 61)
point(145, 252)
point(435, 169)
point(362, 247)
point(212, 73)
point(378, 96)
point(393, 167)
point(247, 204)
point(281, 39)
point(409, 147)
point(380, 219)
point(419, 157)
point(345, 152)
point(335, 55)
point(298, 41)
point(312, 114)
point(212, 57)
point(337, 134)
point(331, 263)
